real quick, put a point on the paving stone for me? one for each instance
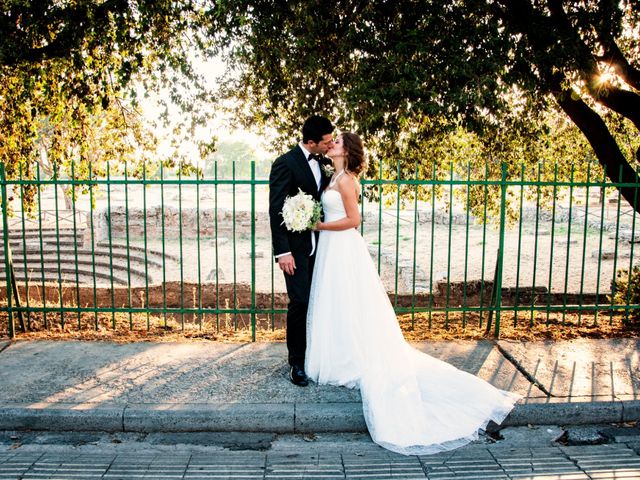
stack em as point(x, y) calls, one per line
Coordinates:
point(617, 474)
point(585, 435)
point(635, 446)
point(554, 476)
point(531, 436)
point(385, 465)
point(579, 370)
point(607, 461)
point(620, 435)
point(307, 471)
point(476, 462)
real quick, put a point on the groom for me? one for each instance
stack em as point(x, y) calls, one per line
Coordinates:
point(299, 168)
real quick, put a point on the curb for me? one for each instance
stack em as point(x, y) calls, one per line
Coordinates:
point(270, 417)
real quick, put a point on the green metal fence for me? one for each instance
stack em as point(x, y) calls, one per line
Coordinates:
point(471, 241)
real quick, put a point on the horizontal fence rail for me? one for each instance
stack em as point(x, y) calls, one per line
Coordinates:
point(471, 242)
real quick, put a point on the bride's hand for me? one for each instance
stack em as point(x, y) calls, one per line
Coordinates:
point(318, 227)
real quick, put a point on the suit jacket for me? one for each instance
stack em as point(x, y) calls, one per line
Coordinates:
point(289, 172)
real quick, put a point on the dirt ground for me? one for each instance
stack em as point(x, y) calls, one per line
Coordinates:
point(227, 328)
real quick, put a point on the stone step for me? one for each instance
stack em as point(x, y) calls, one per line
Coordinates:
point(117, 251)
point(35, 261)
point(67, 273)
point(83, 256)
point(123, 246)
point(51, 233)
point(53, 267)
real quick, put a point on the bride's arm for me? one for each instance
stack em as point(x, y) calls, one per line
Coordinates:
point(348, 188)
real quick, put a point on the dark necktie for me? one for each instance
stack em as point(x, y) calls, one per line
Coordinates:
point(315, 156)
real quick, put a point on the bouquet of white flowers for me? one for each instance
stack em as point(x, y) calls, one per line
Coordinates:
point(301, 212)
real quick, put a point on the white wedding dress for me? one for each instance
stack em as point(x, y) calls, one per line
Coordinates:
point(413, 404)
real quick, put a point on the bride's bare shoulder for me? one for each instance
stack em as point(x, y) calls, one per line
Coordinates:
point(349, 181)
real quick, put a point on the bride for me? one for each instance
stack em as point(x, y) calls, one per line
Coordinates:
point(413, 404)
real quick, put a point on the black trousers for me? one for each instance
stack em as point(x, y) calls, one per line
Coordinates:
point(298, 288)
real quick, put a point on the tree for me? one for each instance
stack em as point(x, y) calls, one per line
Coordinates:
point(585, 54)
point(71, 73)
point(238, 151)
point(405, 74)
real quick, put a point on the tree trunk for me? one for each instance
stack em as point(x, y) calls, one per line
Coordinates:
point(67, 193)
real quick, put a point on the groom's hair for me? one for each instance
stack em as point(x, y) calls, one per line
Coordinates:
point(315, 127)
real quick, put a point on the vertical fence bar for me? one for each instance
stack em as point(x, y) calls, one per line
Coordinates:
point(235, 249)
point(181, 249)
point(415, 244)
point(75, 241)
point(128, 243)
point(24, 250)
point(110, 233)
point(499, 262)
point(633, 242)
point(144, 240)
point(395, 301)
point(362, 197)
point(535, 250)
point(253, 250)
point(602, 212)
point(566, 272)
point(164, 260)
point(446, 317)
point(584, 243)
point(433, 224)
point(380, 193)
point(484, 240)
point(553, 230)
point(273, 294)
point(466, 248)
point(516, 302)
point(93, 246)
point(40, 215)
point(60, 290)
point(215, 221)
point(7, 249)
point(198, 248)
point(615, 253)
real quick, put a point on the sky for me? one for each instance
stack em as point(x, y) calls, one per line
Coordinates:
point(212, 69)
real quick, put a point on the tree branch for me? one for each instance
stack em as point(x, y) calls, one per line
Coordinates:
point(621, 101)
point(624, 102)
point(614, 57)
point(604, 145)
point(612, 54)
point(580, 52)
point(77, 21)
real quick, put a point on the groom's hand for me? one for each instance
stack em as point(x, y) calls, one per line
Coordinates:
point(287, 264)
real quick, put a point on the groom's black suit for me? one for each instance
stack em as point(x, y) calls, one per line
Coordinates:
point(290, 172)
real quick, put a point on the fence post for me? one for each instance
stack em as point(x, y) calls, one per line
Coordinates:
point(253, 250)
point(7, 254)
point(499, 262)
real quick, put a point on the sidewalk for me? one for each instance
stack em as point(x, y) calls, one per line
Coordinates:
point(182, 387)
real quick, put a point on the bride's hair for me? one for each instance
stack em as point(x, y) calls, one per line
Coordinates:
point(356, 162)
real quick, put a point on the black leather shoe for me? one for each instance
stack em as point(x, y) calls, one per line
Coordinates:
point(298, 377)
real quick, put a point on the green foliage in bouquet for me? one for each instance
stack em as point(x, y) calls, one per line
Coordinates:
point(317, 215)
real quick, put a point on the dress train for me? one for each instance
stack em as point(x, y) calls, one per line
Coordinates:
point(413, 403)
